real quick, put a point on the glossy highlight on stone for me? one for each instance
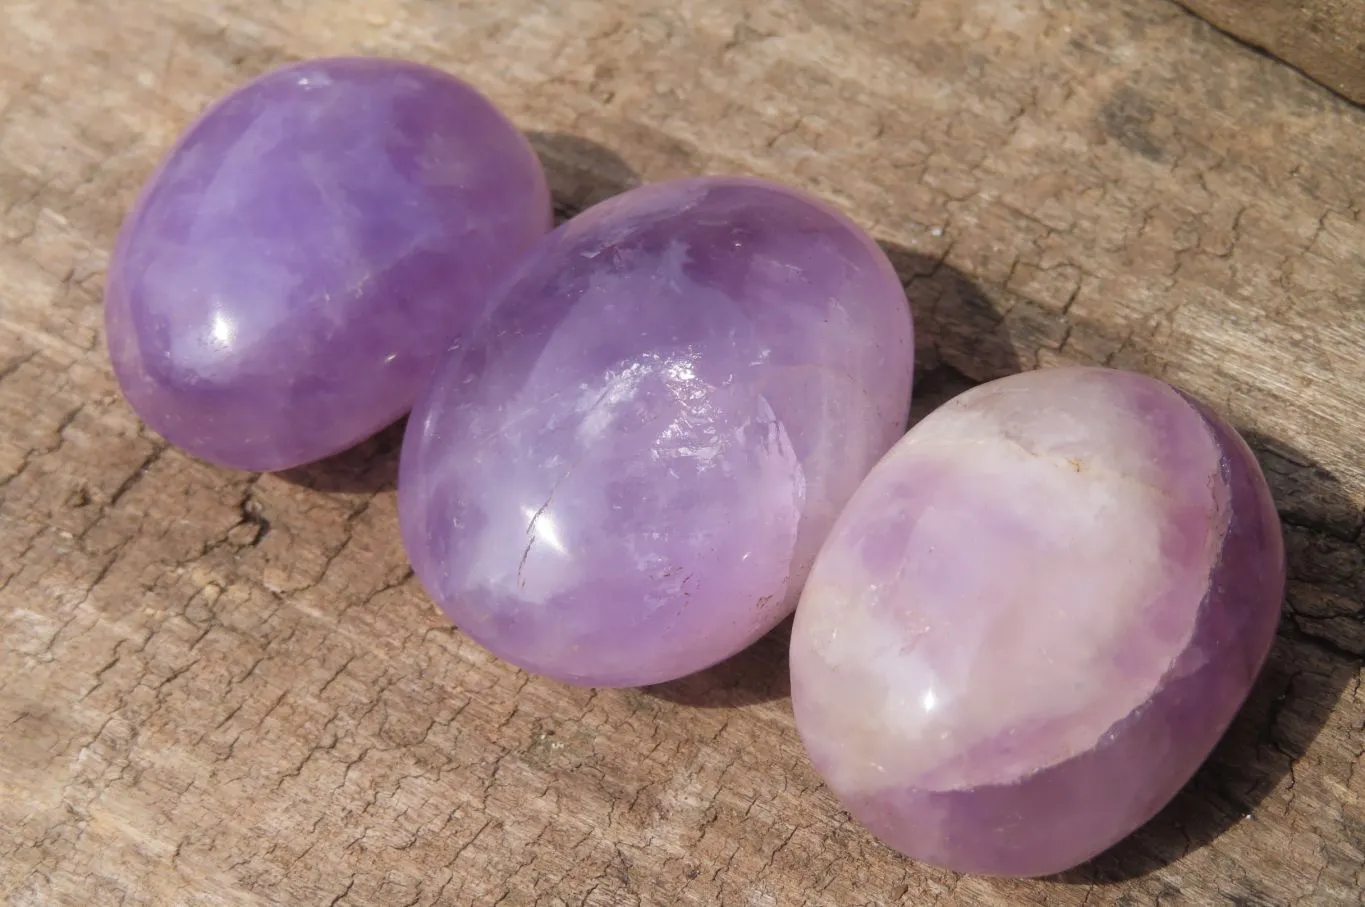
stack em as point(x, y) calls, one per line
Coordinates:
point(292, 271)
point(622, 475)
point(1035, 618)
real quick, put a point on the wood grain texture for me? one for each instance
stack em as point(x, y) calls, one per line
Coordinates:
point(221, 689)
point(1323, 38)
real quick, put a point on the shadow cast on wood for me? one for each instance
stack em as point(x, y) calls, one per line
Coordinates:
point(757, 674)
point(581, 173)
point(369, 467)
point(961, 337)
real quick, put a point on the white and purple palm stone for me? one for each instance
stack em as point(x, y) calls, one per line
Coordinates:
point(622, 475)
point(294, 268)
point(1035, 619)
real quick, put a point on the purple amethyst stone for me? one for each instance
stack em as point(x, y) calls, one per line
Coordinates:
point(295, 267)
point(623, 474)
point(1035, 618)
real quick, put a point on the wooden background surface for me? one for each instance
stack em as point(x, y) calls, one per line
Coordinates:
point(1323, 38)
point(221, 689)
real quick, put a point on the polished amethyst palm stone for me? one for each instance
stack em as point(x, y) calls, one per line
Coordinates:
point(1035, 618)
point(623, 474)
point(292, 271)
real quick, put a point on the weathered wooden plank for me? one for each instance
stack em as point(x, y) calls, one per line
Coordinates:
point(219, 689)
point(1323, 38)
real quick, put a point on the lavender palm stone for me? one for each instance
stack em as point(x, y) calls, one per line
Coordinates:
point(289, 276)
point(623, 474)
point(1035, 618)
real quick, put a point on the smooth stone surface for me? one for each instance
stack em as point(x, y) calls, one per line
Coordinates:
point(1035, 618)
point(292, 271)
point(622, 476)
